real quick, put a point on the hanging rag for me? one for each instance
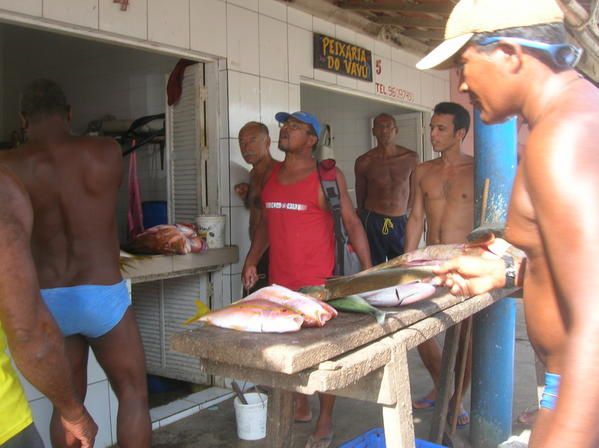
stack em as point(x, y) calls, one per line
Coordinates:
point(134, 214)
point(174, 87)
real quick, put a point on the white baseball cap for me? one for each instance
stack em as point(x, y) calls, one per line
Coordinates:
point(481, 16)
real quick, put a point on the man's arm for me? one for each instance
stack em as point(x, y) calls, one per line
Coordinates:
point(353, 225)
point(361, 182)
point(563, 181)
point(34, 340)
point(249, 274)
point(415, 225)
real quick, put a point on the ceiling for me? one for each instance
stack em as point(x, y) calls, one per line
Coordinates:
point(418, 25)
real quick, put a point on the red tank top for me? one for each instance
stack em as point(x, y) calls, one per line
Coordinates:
point(300, 233)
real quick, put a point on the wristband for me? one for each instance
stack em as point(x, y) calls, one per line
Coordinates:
point(510, 271)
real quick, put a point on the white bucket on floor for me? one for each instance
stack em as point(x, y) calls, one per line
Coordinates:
point(214, 227)
point(251, 417)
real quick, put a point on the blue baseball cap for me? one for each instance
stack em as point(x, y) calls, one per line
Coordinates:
point(304, 117)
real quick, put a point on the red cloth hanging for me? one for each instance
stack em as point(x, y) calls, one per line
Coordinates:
point(174, 87)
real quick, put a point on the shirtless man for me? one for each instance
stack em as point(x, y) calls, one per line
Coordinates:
point(254, 143)
point(513, 59)
point(28, 330)
point(383, 190)
point(73, 184)
point(442, 194)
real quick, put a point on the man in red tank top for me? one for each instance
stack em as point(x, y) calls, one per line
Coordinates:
point(298, 226)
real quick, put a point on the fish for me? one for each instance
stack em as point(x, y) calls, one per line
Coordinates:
point(356, 304)
point(315, 312)
point(356, 284)
point(256, 316)
point(399, 295)
point(201, 310)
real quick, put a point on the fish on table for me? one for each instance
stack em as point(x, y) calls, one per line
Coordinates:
point(400, 295)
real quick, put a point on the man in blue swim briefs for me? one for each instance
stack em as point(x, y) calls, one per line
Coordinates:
point(383, 190)
point(73, 183)
point(513, 57)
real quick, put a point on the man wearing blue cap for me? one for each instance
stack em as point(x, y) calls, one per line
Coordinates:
point(298, 226)
point(513, 58)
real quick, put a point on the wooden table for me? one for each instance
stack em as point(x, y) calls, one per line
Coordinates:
point(352, 356)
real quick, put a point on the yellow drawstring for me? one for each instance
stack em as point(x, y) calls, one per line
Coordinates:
point(387, 224)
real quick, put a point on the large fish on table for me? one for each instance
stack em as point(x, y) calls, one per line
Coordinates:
point(357, 284)
point(315, 312)
point(400, 295)
point(257, 316)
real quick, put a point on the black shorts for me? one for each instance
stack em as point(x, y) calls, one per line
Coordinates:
point(386, 235)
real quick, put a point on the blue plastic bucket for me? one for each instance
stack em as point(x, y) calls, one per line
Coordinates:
point(155, 213)
point(375, 438)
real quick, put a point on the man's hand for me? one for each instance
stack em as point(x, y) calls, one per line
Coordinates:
point(242, 190)
point(471, 275)
point(82, 428)
point(249, 276)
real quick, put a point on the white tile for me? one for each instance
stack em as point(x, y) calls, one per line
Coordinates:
point(274, 9)
point(208, 24)
point(274, 97)
point(237, 290)
point(346, 81)
point(365, 86)
point(242, 40)
point(244, 100)
point(323, 27)
point(239, 172)
point(170, 409)
point(345, 34)
point(226, 291)
point(365, 41)
point(98, 406)
point(132, 22)
point(78, 12)
point(299, 18)
point(179, 416)
point(42, 413)
point(294, 98)
point(300, 54)
point(225, 188)
point(240, 219)
point(382, 73)
point(273, 49)
point(382, 49)
point(412, 82)
point(168, 22)
point(427, 94)
point(30, 7)
point(322, 75)
point(402, 80)
point(440, 90)
point(249, 4)
point(400, 55)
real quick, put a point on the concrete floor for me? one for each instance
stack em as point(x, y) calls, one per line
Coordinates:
point(215, 427)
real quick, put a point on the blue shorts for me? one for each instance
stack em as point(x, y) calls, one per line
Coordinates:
point(550, 392)
point(386, 235)
point(90, 310)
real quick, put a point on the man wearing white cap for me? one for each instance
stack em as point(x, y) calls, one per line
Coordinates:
point(513, 59)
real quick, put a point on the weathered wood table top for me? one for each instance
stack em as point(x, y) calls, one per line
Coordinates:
point(290, 353)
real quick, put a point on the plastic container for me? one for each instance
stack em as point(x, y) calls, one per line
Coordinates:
point(214, 227)
point(155, 213)
point(251, 417)
point(375, 438)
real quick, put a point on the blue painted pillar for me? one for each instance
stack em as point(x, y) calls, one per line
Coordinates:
point(495, 151)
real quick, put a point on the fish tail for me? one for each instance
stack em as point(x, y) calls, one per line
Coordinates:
point(380, 316)
point(201, 310)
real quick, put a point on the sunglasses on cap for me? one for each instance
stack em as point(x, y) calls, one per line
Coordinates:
point(562, 55)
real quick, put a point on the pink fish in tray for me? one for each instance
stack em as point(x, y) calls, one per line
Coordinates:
point(315, 312)
point(399, 295)
point(257, 316)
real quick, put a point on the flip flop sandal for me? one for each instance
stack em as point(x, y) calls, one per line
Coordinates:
point(428, 403)
point(322, 442)
point(462, 415)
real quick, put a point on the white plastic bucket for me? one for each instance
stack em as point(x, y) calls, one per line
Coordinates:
point(251, 417)
point(214, 226)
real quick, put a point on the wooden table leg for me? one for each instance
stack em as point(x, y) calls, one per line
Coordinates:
point(397, 418)
point(280, 419)
point(450, 351)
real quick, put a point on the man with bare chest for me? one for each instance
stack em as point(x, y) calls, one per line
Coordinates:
point(383, 190)
point(73, 184)
point(442, 195)
point(514, 58)
point(254, 143)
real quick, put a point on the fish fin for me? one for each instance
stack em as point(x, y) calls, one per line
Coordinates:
point(201, 310)
point(380, 316)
